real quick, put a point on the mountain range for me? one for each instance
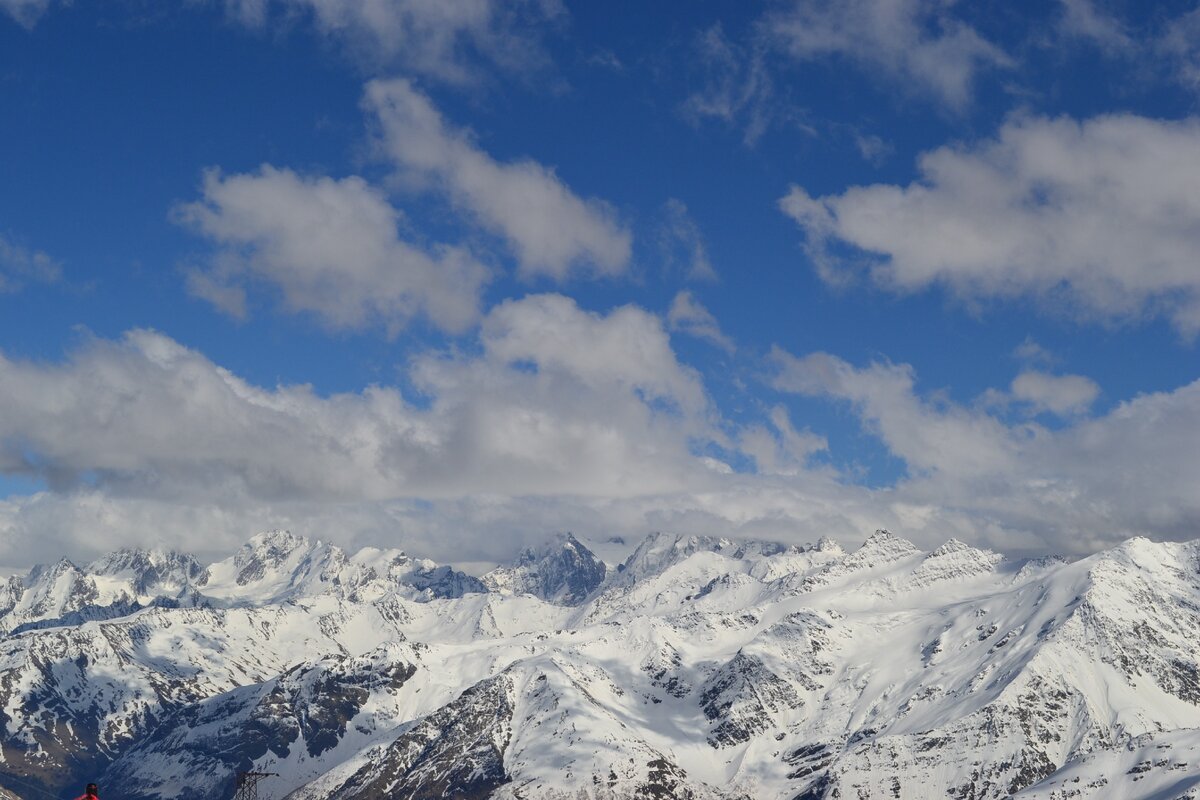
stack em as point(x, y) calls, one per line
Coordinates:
point(675, 667)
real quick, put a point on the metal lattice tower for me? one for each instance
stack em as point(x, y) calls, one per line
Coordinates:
point(247, 784)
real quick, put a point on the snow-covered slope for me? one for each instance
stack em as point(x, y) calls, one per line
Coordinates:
point(696, 668)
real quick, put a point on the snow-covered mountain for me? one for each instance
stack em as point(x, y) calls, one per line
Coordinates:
point(696, 667)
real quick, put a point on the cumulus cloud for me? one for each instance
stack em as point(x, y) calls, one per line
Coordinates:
point(560, 400)
point(445, 39)
point(1057, 394)
point(780, 449)
point(20, 265)
point(557, 408)
point(1101, 214)
point(627, 347)
point(932, 438)
point(687, 315)
point(330, 247)
point(1074, 489)
point(552, 231)
point(917, 44)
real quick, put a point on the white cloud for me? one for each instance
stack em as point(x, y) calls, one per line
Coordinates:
point(687, 315)
point(1076, 489)
point(1101, 213)
point(26, 13)
point(19, 265)
point(780, 449)
point(552, 231)
point(681, 243)
point(331, 247)
point(931, 437)
point(1057, 394)
point(562, 419)
point(442, 39)
point(791, 508)
point(628, 348)
point(559, 419)
point(559, 401)
point(917, 44)
point(558, 407)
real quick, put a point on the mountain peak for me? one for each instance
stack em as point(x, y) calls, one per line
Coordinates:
point(277, 540)
point(828, 544)
point(563, 571)
point(267, 551)
point(886, 544)
point(951, 545)
point(149, 572)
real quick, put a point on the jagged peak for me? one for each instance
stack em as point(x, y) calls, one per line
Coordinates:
point(553, 545)
point(276, 546)
point(950, 546)
point(1142, 546)
point(827, 544)
point(954, 546)
point(142, 558)
point(1140, 553)
point(278, 539)
point(884, 541)
point(51, 571)
point(562, 570)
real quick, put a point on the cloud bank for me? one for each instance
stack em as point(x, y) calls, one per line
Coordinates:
point(563, 418)
point(1075, 488)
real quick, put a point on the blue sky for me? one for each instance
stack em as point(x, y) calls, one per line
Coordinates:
point(458, 275)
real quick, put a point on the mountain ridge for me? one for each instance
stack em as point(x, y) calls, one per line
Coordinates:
point(698, 667)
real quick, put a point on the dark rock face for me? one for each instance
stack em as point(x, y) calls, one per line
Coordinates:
point(310, 707)
point(740, 697)
point(445, 583)
point(565, 572)
point(60, 736)
point(150, 571)
point(456, 752)
point(266, 552)
point(665, 781)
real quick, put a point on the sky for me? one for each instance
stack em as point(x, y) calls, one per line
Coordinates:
point(454, 275)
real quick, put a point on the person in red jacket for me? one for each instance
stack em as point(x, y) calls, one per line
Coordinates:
point(90, 793)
